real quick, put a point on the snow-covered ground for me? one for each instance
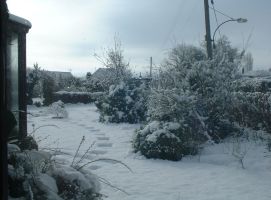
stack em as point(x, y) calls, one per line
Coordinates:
point(215, 174)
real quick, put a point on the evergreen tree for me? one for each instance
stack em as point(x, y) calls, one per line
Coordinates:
point(32, 79)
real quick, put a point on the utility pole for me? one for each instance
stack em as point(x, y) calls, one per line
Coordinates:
point(208, 30)
point(150, 67)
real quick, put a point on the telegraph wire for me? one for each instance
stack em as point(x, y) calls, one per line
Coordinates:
point(221, 13)
point(212, 2)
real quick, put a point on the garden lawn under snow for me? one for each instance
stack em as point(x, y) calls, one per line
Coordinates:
point(215, 174)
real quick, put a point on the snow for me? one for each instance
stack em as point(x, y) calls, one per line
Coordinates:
point(128, 99)
point(72, 175)
point(20, 20)
point(47, 182)
point(71, 93)
point(214, 174)
point(156, 134)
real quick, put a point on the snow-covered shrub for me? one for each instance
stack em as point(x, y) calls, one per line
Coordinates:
point(167, 140)
point(195, 92)
point(58, 109)
point(48, 88)
point(37, 104)
point(253, 109)
point(76, 185)
point(28, 143)
point(125, 102)
point(26, 170)
point(253, 85)
point(125, 98)
point(32, 79)
point(33, 175)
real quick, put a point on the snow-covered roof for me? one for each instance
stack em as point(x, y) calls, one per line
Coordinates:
point(103, 73)
point(20, 20)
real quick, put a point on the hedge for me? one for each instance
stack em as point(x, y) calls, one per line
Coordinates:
point(76, 97)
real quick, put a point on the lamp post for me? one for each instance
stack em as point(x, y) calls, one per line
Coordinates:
point(238, 20)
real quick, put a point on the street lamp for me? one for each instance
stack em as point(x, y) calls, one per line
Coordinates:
point(238, 20)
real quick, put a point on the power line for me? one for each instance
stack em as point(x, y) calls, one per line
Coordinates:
point(212, 2)
point(221, 13)
point(175, 22)
point(173, 25)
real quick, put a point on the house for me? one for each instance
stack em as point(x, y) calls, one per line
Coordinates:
point(58, 76)
point(103, 74)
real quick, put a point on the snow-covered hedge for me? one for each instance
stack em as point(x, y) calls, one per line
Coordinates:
point(256, 84)
point(33, 175)
point(253, 109)
point(76, 97)
point(125, 102)
point(166, 140)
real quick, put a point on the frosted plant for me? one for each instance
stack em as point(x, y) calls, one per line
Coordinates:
point(58, 109)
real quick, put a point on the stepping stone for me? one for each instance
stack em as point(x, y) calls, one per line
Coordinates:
point(89, 127)
point(100, 134)
point(109, 161)
point(98, 152)
point(94, 167)
point(95, 130)
point(104, 144)
point(102, 138)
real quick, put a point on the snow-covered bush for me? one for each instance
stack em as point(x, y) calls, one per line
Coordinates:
point(33, 175)
point(58, 109)
point(253, 109)
point(195, 92)
point(125, 102)
point(48, 88)
point(32, 80)
point(28, 143)
point(76, 185)
point(167, 140)
point(253, 85)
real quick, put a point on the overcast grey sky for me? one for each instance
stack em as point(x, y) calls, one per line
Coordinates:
point(66, 33)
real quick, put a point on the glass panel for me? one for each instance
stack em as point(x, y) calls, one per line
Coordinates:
point(13, 76)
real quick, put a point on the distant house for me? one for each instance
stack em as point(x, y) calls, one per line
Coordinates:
point(103, 74)
point(58, 76)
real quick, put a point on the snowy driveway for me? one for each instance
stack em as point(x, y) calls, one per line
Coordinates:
point(215, 175)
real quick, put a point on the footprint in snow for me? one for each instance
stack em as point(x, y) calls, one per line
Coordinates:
point(89, 127)
point(104, 144)
point(102, 138)
point(100, 134)
point(98, 152)
point(94, 167)
point(95, 130)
